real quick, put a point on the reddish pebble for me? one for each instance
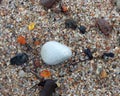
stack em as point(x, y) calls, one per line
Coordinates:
point(37, 63)
point(104, 26)
point(47, 3)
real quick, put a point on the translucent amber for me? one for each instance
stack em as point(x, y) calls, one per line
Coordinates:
point(21, 40)
point(45, 73)
point(31, 26)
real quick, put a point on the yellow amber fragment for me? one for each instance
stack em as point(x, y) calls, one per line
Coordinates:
point(31, 26)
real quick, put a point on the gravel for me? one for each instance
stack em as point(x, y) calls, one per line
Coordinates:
point(76, 77)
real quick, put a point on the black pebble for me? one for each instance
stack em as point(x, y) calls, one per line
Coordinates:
point(82, 29)
point(19, 59)
point(108, 55)
point(70, 23)
point(88, 53)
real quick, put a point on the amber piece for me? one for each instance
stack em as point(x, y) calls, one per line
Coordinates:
point(45, 73)
point(31, 26)
point(21, 40)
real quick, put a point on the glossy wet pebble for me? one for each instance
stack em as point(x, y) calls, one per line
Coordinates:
point(53, 52)
point(19, 59)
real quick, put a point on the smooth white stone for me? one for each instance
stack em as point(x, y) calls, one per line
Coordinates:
point(53, 53)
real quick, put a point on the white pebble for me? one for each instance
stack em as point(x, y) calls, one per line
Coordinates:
point(54, 52)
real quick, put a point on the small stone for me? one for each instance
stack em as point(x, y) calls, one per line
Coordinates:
point(99, 69)
point(96, 54)
point(58, 83)
point(88, 53)
point(15, 90)
point(9, 26)
point(21, 73)
point(103, 74)
point(103, 26)
point(54, 52)
point(107, 55)
point(36, 63)
point(47, 3)
point(18, 19)
point(19, 59)
point(70, 23)
point(82, 29)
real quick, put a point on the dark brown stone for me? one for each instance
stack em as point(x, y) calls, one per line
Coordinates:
point(47, 3)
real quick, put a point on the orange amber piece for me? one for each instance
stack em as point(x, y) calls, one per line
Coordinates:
point(45, 73)
point(21, 40)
